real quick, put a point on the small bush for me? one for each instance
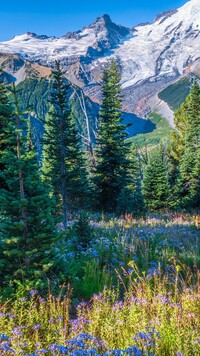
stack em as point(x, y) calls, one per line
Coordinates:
point(83, 230)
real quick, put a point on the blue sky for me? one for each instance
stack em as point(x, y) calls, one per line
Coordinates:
point(56, 17)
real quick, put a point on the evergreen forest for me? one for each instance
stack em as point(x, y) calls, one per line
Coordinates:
point(99, 236)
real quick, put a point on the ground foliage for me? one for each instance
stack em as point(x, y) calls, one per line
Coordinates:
point(146, 273)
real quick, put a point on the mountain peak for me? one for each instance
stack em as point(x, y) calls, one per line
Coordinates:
point(104, 18)
point(105, 24)
point(99, 24)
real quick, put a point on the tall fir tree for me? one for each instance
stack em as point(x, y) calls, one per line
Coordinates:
point(28, 228)
point(188, 181)
point(179, 135)
point(63, 161)
point(156, 188)
point(5, 114)
point(176, 149)
point(131, 199)
point(112, 163)
point(193, 113)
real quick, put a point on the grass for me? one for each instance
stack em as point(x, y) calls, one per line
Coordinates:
point(153, 138)
point(158, 314)
point(133, 291)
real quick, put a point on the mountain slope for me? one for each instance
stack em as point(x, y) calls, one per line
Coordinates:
point(164, 48)
point(175, 94)
point(35, 94)
point(93, 40)
point(17, 69)
point(150, 56)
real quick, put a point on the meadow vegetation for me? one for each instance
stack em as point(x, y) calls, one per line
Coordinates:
point(151, 139)
point(131, 289)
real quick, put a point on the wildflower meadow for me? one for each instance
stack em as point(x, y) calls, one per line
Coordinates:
point(132, 289)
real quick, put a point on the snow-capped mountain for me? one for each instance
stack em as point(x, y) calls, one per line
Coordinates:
point(93, 40)
point(164, 48)
point(150, 55)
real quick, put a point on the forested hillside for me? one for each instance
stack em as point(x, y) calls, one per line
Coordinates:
point(34, 94)
point(175, 94)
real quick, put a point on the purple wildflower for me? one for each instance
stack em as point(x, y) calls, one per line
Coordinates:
point(33, 292)
point(36, 327)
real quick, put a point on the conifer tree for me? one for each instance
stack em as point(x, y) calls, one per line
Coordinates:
point(178, 136)
point(27, 228)
point(193, 113)
point(156, 189)
point(5, 114)
point(176, 148)
point(112, 164)
point(63, 162)
point(186, 120)
point(131, 199)
point(188, 182)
